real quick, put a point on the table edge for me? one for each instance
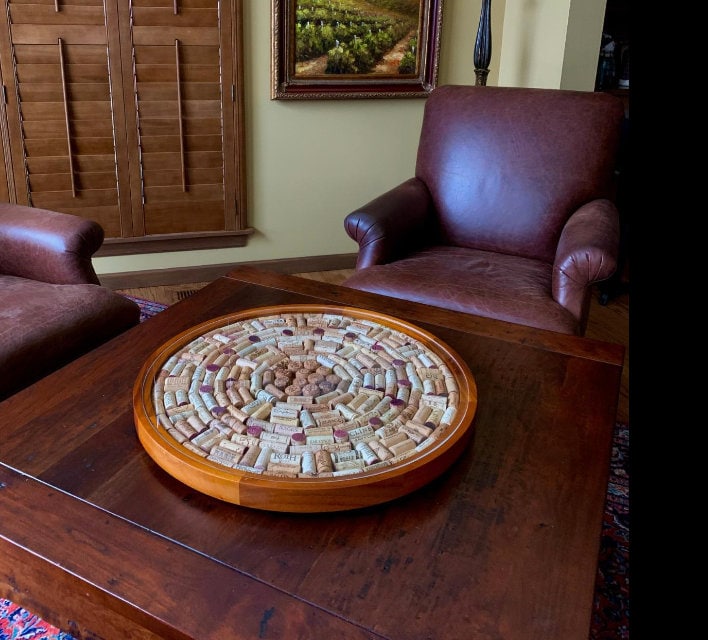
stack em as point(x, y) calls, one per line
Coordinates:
point(577, 346)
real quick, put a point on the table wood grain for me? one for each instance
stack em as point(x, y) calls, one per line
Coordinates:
point(99, 540)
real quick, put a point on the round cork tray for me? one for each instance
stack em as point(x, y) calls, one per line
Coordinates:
point(356, 407)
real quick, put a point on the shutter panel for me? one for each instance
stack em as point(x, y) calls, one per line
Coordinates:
point(66, 149)
point(183, 97)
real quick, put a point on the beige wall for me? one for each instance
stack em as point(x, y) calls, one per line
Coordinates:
point(551, 43)
point(311, 162)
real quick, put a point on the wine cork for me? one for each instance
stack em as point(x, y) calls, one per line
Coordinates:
point(250, 456)
point(323, 462)
point(309, 468)
point(186, 429)
point(263, 458)
point(367, 452)
point(413, 433)
point(401, 447)
point(382, 453)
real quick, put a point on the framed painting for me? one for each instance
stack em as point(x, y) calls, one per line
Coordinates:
point(329, 49)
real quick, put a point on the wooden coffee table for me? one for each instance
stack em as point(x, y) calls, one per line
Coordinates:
point(99, 540)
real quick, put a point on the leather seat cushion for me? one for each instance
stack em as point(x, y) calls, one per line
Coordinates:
point(44, 326)
point(484, 283)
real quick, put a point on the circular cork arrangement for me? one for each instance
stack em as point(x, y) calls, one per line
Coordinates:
point(304, 408)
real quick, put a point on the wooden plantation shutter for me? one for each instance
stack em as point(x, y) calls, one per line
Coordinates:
point(129, 113)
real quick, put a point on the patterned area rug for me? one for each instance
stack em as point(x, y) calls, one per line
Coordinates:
point(610, 618)
point(147, 307)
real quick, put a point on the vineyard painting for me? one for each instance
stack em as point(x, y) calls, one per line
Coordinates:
point(355, 48)
point(346, 36)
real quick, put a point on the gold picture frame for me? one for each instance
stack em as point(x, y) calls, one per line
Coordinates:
point(339, 49)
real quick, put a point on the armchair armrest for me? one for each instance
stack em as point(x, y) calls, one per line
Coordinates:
point(392, 225)
point(587, 253)
point(48, 246)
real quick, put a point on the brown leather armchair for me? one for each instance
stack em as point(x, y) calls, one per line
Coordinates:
point(510, 214)
point(52, 305)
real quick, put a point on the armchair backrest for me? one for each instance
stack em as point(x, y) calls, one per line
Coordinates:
point(506, 166)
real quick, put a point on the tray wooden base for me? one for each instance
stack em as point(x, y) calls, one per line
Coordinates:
point(304, 408)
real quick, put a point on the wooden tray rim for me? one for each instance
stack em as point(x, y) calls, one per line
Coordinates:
point(229, 484)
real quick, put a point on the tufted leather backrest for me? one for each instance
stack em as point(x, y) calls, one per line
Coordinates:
point(507, 166)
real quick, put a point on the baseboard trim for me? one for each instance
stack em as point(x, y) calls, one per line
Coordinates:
point(207, 273)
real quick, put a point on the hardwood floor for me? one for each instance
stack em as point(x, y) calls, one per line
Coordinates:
point(608, 323)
